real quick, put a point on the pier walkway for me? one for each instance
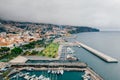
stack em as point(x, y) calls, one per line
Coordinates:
point(51, 64)
point(99, 54)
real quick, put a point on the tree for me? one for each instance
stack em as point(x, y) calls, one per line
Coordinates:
point(34, 52)
point(31, 45)
point(27, 53)
point(16, 51)
point(4, 49)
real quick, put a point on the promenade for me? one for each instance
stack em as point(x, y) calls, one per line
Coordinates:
point(51, 64)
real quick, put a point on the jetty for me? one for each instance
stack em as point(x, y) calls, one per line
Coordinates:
point(51, 64)
point(99, 54)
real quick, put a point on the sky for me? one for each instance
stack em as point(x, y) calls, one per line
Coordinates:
point(102, 14)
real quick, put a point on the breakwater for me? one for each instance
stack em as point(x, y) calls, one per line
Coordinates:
point(99, 54)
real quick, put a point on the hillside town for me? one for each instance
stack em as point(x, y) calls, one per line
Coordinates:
point(16, 36)
point(16, 33)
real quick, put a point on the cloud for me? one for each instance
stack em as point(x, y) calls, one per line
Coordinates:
point(102, 14)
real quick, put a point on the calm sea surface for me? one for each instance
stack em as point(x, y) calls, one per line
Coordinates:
point(106, 42)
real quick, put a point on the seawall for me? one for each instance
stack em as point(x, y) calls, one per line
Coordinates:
point(99, 54)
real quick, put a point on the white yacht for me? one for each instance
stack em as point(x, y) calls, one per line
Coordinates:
point(79, 46)
point(21, 74)
point(27, 77)
point(70, 50)
point(71, 57)
point(49, 71)
point(41, 77)
point(86, 76)
point(62, 71)
point(33, 76)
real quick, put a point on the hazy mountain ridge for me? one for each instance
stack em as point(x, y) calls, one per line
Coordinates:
point(84, 29)
point(9, 26)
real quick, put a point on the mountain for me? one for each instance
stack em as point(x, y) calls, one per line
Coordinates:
point(14, 26)
point(83, 29)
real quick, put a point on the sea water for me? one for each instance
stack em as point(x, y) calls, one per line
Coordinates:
point(68, 75)
point(106, 42)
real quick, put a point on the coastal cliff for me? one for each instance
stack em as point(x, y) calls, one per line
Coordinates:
point(80, 29)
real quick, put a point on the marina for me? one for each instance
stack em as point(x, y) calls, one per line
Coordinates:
point(44, 75)
point(56, 68)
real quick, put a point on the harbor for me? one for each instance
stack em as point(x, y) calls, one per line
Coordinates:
point(44, 75)
point(57, 68)
point(66, 62)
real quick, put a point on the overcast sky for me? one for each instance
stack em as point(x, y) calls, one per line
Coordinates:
point(103, 14)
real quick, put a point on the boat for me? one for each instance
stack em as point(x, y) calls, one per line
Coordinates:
point(33, 76)
point(47, 78)
point(37, 78)
point(70, 50)
point(41, 77)
point(86, 76)
point(52, 72)
point(32, 79)
point(62, 71)
point(21, 74)
point(71, 57)
point(30, 69)
point(49, 71)
point(58, 72)
point(27, 77)
point(14, 76)
point(79, 46)
point(27, 73)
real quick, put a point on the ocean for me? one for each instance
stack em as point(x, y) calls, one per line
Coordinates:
point(106, 42)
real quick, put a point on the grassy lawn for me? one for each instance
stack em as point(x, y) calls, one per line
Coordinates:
point(50, 51)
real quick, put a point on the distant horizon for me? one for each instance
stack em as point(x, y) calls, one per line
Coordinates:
point(99, 14)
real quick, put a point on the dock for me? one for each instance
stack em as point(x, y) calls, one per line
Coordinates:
point(99, 54)
point(51, 64)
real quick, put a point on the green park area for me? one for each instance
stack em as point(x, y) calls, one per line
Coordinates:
point(50, 51)
point(6, 53)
